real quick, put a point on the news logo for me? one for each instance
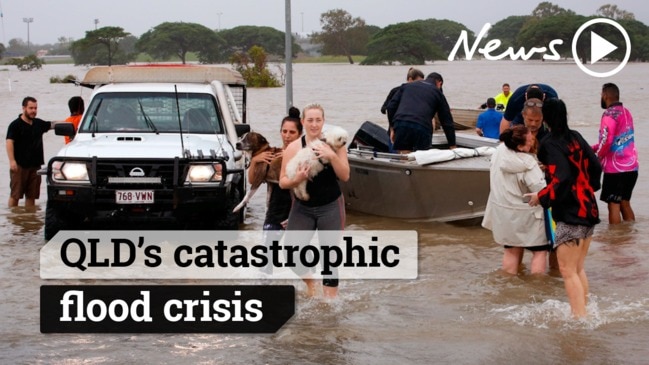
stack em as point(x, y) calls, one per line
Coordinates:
point(590, 46)
point(600, 47)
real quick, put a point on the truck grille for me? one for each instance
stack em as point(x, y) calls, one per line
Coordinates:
point(134, 180)
point(135, 173)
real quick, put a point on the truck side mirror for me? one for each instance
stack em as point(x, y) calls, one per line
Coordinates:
point(242, 129)
point(65, 129)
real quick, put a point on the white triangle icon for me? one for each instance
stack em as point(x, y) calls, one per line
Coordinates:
point(599, 47)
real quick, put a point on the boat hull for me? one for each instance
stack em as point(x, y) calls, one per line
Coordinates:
point(448, 191)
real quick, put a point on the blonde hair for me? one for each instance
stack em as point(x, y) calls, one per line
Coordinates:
point(312, 106)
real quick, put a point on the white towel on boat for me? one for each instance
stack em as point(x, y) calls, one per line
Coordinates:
point(485, 150)
point(436, 155)
point(431, 156)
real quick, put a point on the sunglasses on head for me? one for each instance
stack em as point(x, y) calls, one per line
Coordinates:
point(534, 103)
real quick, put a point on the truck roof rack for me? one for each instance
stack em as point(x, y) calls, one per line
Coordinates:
point(162, 73)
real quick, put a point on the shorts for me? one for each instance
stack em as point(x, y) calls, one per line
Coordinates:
point(411, 137)
point(568, 232)
point(25, 181)
point(534, 248)
point(617, 187)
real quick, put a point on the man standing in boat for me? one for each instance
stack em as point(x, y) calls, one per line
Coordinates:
point(503, 98)
point(414, 74)
point(414, 105)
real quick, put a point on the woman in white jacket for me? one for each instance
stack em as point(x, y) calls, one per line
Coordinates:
point(514, 223)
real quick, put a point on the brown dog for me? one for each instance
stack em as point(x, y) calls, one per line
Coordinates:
point(254, 143)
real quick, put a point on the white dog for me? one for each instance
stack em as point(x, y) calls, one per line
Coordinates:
point(335, 137)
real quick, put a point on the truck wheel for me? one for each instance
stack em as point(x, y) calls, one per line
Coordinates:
point(231, 220)
point(54, 221)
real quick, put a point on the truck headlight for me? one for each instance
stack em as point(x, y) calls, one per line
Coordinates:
point(205, 173)
point(69, 171)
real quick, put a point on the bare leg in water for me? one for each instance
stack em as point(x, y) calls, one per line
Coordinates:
point(571, 256)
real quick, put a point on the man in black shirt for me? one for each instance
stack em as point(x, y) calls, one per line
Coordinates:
point(25, 152)
point(414, 105)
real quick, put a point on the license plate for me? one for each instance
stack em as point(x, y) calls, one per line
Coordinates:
point(134, 196)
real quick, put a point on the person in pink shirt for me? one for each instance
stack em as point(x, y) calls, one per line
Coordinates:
point(617, 154)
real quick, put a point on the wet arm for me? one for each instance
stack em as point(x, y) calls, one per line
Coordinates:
point(446, 120)
point(284, 181)
point(504, 125)
point(605, 141)
point(340, 163)
point(264, 157)
point(10, 154)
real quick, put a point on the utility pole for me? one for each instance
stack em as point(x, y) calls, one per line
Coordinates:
point(219, 24)
point(288, 55)
point(28, 20)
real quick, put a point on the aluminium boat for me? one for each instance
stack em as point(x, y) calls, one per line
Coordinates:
point(437, 185)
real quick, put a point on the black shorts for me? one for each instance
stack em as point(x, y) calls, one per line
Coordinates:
point(535, 248)
point(618, 186)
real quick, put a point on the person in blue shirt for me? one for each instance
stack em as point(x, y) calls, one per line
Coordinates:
point(488, 124)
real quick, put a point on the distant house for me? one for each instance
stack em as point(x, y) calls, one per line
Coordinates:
point(309, 49)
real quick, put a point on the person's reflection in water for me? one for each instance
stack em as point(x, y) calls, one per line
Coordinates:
point(24, 219)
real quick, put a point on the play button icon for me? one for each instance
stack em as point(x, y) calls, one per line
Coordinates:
point(600, 47)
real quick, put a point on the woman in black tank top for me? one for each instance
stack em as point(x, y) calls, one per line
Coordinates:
point(325, 210)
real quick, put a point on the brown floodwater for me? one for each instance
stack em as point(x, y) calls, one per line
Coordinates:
point(460, 309)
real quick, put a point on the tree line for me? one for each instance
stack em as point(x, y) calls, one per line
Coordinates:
point(414, 42)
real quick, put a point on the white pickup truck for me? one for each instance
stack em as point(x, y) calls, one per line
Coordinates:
point(156, 144)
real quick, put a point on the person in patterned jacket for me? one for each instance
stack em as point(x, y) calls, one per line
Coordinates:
point(573, 175)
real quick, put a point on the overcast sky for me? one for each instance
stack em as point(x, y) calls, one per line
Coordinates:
point(67, 18)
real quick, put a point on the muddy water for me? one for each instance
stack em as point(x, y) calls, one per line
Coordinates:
point(459, 310)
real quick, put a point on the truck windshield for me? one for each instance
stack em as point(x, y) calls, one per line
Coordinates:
point(152, 112)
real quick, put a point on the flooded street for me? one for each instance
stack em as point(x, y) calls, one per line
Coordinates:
point(460, 310)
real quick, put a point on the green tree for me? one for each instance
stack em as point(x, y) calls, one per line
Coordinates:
point(405, 43)
point(2, 50)
point(540, 32)
point(547, 9)
point(101, 47)
point(638, 34)
point(178, 39)
point(613, 12)
point(246, 36)
point(61, 47)
point(16, 46)
point(253, 66)
point(341, 33)
point(443, 33)
point(507, 30)
point(28, 63)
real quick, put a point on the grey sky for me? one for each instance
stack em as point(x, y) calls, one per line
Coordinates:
point(67, 18)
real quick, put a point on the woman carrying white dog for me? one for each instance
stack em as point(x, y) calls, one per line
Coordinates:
point(325, 210)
